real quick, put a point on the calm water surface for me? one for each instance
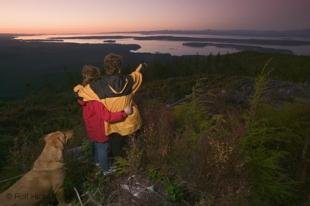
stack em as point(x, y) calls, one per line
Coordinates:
point(172, 47)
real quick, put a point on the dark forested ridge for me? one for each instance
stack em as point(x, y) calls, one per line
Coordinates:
point(27, 66)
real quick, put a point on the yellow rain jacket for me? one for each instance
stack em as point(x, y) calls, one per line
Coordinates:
point(115, 92)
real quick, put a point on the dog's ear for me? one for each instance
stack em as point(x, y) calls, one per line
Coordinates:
point(68, 135)
point(47, 137)
point(56, 139)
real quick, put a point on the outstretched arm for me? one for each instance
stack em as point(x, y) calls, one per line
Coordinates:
point(137, 77)
point(138, 69)
point(141, 67)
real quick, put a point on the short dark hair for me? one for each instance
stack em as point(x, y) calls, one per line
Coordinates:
point(112, 63)
point(90, 73)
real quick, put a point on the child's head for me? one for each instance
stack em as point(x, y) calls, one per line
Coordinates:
point(112, 64)
point(89, 74)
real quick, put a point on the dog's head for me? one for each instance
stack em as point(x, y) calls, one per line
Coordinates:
point(58, 139)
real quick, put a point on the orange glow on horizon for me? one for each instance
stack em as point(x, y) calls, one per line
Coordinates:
point(86, 28)
point(95, 16)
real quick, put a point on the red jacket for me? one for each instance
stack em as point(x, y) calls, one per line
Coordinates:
point(94, 115)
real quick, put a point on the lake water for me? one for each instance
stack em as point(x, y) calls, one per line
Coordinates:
point(173, 47)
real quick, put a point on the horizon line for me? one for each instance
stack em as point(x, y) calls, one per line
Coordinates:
point(159, 30)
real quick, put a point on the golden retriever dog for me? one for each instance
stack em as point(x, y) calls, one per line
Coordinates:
point(46, 175)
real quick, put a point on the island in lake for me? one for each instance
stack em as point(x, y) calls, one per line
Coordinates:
point(238, 47)
point(109, 41)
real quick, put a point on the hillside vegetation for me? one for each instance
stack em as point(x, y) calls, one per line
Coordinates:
point(217, 130)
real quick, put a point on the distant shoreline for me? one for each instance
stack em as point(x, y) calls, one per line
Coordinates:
point(271, 42)
point(42, 40)
point(238, 47)
point(239, 44)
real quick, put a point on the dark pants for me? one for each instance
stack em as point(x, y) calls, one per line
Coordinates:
point(101, 155)
point(117, 143)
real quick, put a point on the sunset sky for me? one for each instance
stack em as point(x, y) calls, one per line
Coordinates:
point(89, 16)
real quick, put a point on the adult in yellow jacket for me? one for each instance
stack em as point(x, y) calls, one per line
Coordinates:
point(115, 90)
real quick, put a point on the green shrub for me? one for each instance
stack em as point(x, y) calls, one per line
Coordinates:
point(273, 147)
point(173, 190)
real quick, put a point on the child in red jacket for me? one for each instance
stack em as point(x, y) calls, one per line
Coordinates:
point(94, 116)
